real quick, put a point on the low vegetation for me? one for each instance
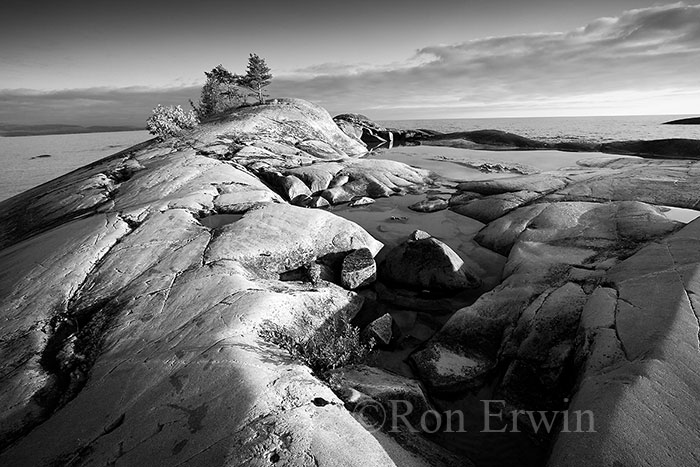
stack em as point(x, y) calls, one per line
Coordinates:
point(222, 91)
point(336, 344)
point(171, 121)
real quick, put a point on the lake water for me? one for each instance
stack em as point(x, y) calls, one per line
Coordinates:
point(22, 170)
point(558, 129)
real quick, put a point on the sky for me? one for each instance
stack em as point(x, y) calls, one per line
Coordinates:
point(110, 62)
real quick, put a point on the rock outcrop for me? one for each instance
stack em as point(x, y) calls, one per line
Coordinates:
point(134, 295)
point(360, 127)
point(130, 321)
point(640, 375)
point(586, 312)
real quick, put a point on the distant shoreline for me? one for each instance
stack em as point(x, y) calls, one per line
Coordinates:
point(684, 121)
point(9, 131)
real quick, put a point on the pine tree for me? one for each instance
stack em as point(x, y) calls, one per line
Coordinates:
point(257, 77)
point(219, 93)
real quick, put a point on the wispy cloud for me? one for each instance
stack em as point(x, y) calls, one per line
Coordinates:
point(643, 61)
point(642, 50)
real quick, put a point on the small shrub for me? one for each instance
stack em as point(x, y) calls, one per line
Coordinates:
point(170, 121)
point(338, 343)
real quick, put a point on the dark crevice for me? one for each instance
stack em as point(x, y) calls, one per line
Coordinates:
point(617, 309)
point(75, 338)
point(74, 343)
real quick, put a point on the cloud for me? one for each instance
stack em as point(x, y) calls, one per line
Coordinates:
point(91, 106)
point(643, 50)
point(613, 64)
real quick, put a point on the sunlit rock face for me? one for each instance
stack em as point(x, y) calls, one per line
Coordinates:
point(130, 316)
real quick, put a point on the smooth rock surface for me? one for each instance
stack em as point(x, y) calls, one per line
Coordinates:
point(130, 328)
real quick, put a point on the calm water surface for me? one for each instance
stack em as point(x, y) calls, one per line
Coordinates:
point(22, 169)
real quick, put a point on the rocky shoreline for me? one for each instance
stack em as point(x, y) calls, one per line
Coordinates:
point(134, 291)
point(495, 140)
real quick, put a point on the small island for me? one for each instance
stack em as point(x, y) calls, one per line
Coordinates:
point(684, 121)
point(8, 130)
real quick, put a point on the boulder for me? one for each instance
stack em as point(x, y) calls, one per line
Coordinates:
point(419, 235)
point(430, 204)
point(445, 371)
point(430, 264)
point(381, 330)
point(363, 201)
point(358, 269)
